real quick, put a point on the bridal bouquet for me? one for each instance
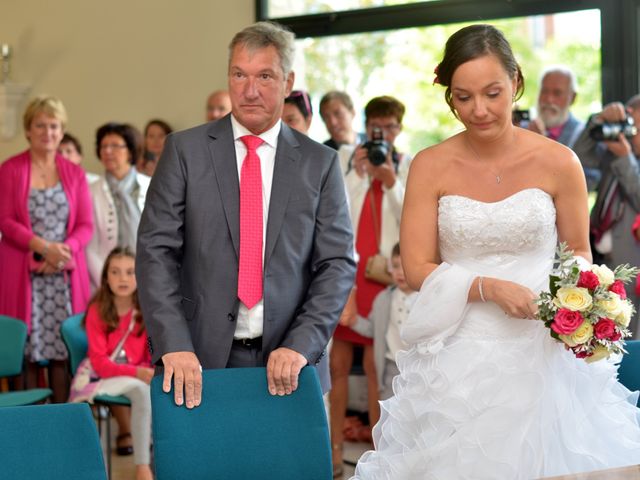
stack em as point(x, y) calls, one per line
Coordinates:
point(587, 310)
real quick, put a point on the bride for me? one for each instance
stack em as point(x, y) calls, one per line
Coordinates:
point(484, 392)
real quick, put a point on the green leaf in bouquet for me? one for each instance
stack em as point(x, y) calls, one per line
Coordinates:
point(554, 280)
point(625, 273)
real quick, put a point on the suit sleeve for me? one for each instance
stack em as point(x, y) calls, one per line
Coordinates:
point(333, 271)
point(159, 253)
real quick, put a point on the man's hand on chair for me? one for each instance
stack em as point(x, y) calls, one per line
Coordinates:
point(186, 371)
point(283, 368)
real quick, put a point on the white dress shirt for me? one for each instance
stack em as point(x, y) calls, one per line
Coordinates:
point(250, 321)
point(401, 304)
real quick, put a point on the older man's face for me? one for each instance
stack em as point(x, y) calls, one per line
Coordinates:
point(555, 99)
point(218, 105)
point(257, 87)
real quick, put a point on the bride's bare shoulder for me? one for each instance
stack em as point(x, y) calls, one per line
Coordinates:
point(435, 159)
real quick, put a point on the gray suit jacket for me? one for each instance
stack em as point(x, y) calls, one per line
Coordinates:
point(188, 245)
point(571, 131)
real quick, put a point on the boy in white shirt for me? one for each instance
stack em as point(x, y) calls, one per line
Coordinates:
point(389, 311)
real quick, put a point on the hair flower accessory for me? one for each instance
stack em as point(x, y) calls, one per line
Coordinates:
point(436, 78)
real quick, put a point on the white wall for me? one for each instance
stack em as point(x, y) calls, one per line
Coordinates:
point(120, 60)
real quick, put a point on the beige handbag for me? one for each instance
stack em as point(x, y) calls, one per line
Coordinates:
point(377, 267)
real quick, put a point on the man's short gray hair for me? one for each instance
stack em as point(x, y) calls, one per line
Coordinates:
point(562, 70)
point(634, 102)
point(266, 34)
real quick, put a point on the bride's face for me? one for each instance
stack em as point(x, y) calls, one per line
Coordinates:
point(482, 95)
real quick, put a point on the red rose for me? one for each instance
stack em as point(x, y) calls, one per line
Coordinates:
point(618, 287)
point(604, 329)
point(437, 77)
point(582, 354)
point(616, 336)
point(565, 322)
point(588, 280)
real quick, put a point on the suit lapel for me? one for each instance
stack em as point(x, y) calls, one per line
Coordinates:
point(223, 158)
point(285, 172)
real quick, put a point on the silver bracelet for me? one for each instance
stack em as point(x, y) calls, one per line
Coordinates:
point(480, 289)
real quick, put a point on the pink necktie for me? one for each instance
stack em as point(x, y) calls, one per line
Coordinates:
point(250, 272)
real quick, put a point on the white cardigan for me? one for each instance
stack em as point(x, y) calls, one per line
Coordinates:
point(105, 220)
point(357, 188)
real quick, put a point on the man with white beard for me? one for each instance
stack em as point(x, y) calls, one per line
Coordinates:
point(557, 94)
point(558, 90)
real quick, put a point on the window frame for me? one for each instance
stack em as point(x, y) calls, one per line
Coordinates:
point(619, 21)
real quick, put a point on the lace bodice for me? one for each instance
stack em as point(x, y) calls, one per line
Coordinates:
point(513, 239)
point(497, 234)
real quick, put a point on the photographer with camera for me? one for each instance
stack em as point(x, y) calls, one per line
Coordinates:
point(375, 181)
point(610, 142)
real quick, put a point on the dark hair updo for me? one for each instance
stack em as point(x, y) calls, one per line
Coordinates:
point(473, 42)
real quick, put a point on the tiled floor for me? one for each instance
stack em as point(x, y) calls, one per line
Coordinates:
point(351, 454)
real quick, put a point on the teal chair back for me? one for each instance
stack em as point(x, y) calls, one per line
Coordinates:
point(629, 370)
point(240, 431)
point(50, 441)
point(13, 335)
point(75, 338)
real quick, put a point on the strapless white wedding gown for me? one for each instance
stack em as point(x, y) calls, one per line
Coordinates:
point(484, 396)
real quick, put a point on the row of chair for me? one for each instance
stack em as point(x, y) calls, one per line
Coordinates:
point(237, 420)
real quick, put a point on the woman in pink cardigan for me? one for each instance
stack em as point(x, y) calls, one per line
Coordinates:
point(45, 222)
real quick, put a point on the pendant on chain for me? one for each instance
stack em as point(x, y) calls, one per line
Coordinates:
point(497, 178)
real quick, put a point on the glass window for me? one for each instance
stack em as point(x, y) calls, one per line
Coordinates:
point(401, 63)
point(290, 8)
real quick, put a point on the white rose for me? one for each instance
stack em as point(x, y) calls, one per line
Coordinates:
point(576, 299)
point(612, 305)
point(626, 310)
point(604, 274)
point(599, 353)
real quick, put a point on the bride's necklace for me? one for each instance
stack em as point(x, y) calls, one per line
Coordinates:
point(498, 174)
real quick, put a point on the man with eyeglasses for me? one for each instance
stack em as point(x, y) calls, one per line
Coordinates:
point(375, 181)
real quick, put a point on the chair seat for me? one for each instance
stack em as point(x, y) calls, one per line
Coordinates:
point(112, 400)
point(24, 397)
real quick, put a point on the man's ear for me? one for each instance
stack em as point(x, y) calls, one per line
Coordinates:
point(573, 99)
point(291, 78)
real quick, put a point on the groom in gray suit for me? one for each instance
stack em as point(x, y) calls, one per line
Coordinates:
point(245, 245)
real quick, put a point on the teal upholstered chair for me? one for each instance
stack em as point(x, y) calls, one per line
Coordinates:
point(240, 431)
point(13, 336)
point(629, 371)
point(75, 338)
point(50, 441)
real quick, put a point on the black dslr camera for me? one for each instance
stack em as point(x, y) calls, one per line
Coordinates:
point(377, 147)
point(610, 131)
point(520, 117)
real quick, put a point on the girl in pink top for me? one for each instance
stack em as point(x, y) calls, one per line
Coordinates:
point(113, 312)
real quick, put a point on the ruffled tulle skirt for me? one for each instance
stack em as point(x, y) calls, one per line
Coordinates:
point(502, 408)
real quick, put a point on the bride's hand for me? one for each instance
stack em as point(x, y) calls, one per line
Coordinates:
point(514, 299)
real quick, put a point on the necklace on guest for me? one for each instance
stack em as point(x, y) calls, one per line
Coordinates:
point(42, 171)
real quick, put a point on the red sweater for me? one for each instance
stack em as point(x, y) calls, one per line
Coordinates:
point(103, 343)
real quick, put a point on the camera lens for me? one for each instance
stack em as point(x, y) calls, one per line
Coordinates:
point(611, 131)
point(377, 148)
